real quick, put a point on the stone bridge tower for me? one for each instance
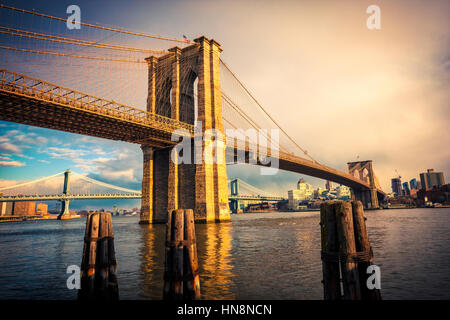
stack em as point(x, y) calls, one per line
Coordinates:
point(364, 171)
point(200, 185)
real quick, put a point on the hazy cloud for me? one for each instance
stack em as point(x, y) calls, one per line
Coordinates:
point(9, 147)
point(11, 164)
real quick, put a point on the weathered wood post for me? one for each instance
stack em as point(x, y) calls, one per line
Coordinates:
point(99, 265)
point(363, 245)
point(330, 268)
point(191, 278)
point(168, 258)
point(346, 251)
point(181, 280)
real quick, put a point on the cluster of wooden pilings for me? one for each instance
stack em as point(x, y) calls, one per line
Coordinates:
point(346, 252)
point(181, 277)
point(98, 266)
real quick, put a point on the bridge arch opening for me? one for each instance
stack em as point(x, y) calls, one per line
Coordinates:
point(195, 100)
point(164, 98)
point(189, 97)
point(365, 175)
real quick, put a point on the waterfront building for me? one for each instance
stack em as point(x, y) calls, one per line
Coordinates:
point(343, 192)
point(396, 184)
point(436, 195)
point(431, 179)
point(328, 185)
point(42, 209)
point(24, 208)
point(303, 192)
point(319, 193)
point(9, 208)
point(3, 208)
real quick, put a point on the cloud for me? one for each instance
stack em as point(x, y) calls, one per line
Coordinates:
point(5, 158)
point(85, 167)
point(66, 153)
point(98, 151)
point(124, 169)
point(26, 157)
point(30, 139)
point(119, 175)
point(9, 147)
point(14, 141)
point(8, 183)
point(43, 161)
point(11, 164)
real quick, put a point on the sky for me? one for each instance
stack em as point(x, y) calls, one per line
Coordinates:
point(339, 89)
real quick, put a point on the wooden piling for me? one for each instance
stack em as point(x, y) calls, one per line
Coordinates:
point(99, 265)
point(168, 257)
point(346, 238)
point(192, 278)
point(178, 254)
point(181, 280)
point(363, 245)
point(330, 269)
point(346, 251)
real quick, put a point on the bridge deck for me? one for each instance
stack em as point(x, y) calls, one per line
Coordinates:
point(35, 102)
point(69, 197)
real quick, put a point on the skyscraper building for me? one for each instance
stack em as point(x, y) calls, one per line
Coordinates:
point(396, 184)
point(406, 189)
point(413, 184)
point(431, 179)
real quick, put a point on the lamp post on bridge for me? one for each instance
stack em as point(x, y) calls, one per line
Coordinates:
point(65, 202)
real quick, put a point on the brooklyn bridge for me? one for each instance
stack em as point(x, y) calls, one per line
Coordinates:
point(153, 91)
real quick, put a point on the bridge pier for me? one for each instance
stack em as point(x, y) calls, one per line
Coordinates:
point(199, 185)
point(369, 198)
point(65, 202)
point(364, 171)
point(234, 206)
point(65, 207)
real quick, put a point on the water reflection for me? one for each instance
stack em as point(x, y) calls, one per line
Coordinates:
point(214, 257)
point(152, 261)
point(215, 260)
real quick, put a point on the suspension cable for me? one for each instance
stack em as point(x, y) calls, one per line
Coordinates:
point(71, 55)
point(30, 182)
point(257, 102)
point(98, 26)
point(86, 178)
point(48, 37)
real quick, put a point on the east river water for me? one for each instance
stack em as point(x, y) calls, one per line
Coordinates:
point(256, 256)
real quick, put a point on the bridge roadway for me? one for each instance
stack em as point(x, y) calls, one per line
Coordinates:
point(69, 197)
point(111, 196)
point(255, 198)
point(38, 103)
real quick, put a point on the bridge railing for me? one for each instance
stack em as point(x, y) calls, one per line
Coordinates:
point(16, 83)
point(69, 196)
point(253, 149)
